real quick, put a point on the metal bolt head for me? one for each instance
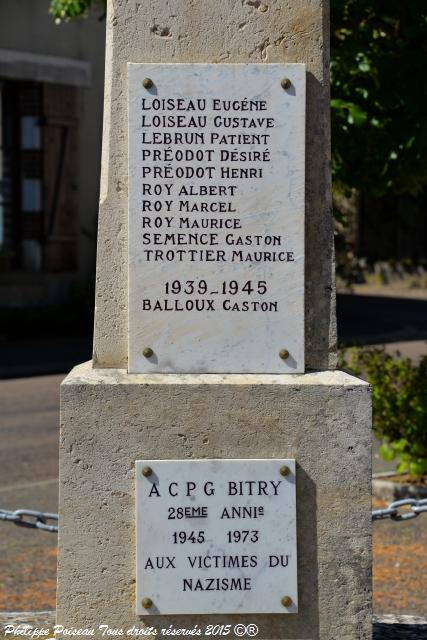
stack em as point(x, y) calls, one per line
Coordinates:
point(147, 603)
point(147, 83)
point(147, 471)
point(286, 601)
point(284, 471)
point(148, 352)
point(284, 354)
point(285, 83)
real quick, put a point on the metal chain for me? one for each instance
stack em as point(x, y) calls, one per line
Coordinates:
point(31, 519)
point(392, 511)
point(38, 519)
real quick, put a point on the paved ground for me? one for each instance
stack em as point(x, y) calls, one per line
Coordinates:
point(37, 357)
point(413, 350)
point(29, 429)
point(374, 319)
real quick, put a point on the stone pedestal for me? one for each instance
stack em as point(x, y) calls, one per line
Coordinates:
point(110, 419)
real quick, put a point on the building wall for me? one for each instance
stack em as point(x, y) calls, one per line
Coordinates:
point(26, 26)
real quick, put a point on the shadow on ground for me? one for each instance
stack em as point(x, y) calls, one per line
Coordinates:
point(379, 319)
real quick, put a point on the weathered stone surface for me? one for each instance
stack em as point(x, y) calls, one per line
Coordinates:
point(110, 419)
point(206, 31)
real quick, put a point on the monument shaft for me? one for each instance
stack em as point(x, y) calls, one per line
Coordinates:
point(204, 31)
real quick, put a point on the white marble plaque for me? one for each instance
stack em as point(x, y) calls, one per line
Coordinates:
point(216, 218)
point(216, 536)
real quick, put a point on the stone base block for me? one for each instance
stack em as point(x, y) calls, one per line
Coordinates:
point(110, 419)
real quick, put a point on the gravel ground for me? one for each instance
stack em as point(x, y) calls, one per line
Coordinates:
point(400, 565)
point(28, 557)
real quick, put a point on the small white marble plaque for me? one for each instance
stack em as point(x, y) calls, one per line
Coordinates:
point(216, 536)
point(216, 218)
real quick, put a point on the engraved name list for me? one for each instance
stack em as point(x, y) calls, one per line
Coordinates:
point(215, 218)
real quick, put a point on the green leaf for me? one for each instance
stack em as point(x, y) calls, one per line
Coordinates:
point(418, 468)
point(356, 115)
point(377, 49)
point(402, 468)
point(386, 452)
point(400, 445)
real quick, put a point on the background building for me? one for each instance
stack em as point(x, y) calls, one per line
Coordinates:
point(51, 88)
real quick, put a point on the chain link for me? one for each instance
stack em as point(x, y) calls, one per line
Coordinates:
point(38, 519)
point(393, 510)
point(31, 519)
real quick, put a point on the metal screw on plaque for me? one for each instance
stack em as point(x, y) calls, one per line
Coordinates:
point(148, 352)
point(147, 603)
point(284, 471)
point(284, 353)
point(286, 83)
point(286, 601)
point(147, 83)
point(147, 471)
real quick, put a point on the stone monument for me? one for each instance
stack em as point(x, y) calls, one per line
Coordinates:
point(214, 466)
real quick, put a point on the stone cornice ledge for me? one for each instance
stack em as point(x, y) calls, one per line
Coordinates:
point(86, 374)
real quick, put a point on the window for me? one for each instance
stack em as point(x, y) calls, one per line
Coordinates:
point(38, 212)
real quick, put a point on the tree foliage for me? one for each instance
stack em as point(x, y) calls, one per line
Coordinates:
point(379, 97)
point(68, 9)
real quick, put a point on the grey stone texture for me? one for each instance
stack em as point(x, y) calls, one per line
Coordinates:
point(110, 419)
point(208, 31)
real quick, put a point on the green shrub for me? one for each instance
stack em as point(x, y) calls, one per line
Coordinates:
point(399, 404)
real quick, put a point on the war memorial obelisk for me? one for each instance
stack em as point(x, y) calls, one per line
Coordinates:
point(214, 464)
